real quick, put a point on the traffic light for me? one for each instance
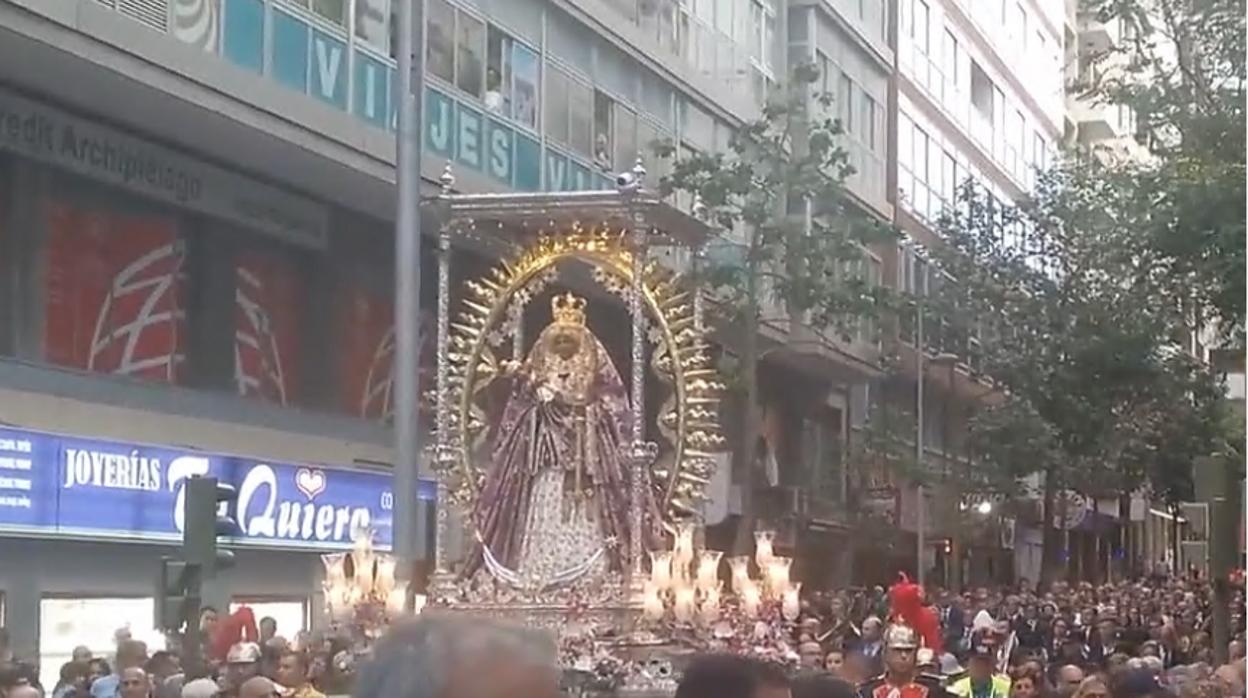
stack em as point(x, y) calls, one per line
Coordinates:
point(177, 595)
point(205, 521)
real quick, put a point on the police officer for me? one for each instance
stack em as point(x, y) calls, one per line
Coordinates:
point(901, 677)
point(980, 680)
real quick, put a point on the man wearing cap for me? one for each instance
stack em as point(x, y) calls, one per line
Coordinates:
point(901, 678)
point(980, 680)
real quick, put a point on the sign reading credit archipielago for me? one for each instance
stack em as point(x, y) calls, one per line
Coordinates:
point(61, 139)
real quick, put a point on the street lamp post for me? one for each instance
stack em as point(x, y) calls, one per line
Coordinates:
point(920, 506)
point(410, 522)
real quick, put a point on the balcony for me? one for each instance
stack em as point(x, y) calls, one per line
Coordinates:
point(1097, 122)
point(1096, 36)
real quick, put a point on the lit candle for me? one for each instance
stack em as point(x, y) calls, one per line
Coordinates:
point(651, 603)
point(708, 568)
point(778, 576)
point(661, 569)
point(763, 547)
point(740, 567)
point(396, 598)
point(683, 603)
point(710, 605)
point(791, 605)
point(385, 574)
point(751, 599)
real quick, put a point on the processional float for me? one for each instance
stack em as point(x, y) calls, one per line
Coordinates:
point(579, 486)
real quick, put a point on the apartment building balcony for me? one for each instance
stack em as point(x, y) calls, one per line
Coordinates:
point(1095, 35)
point(1097, 122)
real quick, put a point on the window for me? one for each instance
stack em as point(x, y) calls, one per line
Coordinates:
point(580, 117)
point(332, 10)
point(626, 150)
point(950, 58)
point(919, 30)
point(867, 123)
point(558, 126)
point(524, 84)
point(65, 623)
point(604, 107)
point(372, 23)
point(845, 102)
point(440, 53)
point(470, 46)
point(981, 91)
point(291, 615)
point(949, 179)
point(498, 86)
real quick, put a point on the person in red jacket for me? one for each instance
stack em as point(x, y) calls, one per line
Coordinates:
point(907, 608)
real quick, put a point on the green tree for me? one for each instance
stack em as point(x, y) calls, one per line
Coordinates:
point(1180, 67)
point(790, 244)
point(1081, 325)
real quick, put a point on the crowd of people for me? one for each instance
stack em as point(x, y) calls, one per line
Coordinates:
point(1041, 644)
point(238, 658)
point(1138, 639)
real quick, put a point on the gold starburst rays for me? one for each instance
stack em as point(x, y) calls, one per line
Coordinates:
point(687, 419)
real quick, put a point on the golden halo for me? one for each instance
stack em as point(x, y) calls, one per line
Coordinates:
point(689, 419)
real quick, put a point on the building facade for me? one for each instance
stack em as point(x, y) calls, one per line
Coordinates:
point(196, 203)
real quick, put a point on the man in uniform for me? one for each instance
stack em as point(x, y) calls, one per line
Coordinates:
point(981, 681)
point(901, 677)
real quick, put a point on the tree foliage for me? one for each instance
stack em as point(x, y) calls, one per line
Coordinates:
point(1181, 68)
point(1083, 326)
point(789, 244)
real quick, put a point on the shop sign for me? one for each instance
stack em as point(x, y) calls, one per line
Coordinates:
point(87, 148)
point(68, 486)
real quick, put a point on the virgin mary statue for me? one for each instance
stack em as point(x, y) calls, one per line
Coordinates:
point(554, 505)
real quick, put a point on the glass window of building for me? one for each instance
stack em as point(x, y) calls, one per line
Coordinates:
point(845, 100)
point(332, 10)
point(604, 108)
point(440, 53)
point(470, 52)
point(626, 146)
point(290, 615)
point(919, 26)
point(580, 117)
point(866, 121)
point(66, 622)
point(558, 125)
point(524, 67)
point(372, 23)
point(498, 86)
point(981, 91)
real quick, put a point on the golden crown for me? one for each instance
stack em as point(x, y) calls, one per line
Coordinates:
point(568, 309)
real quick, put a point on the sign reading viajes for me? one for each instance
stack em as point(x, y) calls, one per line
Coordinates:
point(50, 135)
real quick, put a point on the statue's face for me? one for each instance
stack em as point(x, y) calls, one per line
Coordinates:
point(567, 362)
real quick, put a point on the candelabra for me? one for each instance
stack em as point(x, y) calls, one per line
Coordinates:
point(685, 591)
point(360, 588)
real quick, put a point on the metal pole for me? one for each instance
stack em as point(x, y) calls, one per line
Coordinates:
point(920, 506)
point(410, 519)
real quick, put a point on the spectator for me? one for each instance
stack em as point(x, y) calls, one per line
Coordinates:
point(200, 688)
point(443, 656)
point(732, 676)
point(268, 629)
point(74, 680)
point(131, 654)
point(1068, 679)
point(292, 672)
point(821, 686)
point(134, 683)
point(258, 687)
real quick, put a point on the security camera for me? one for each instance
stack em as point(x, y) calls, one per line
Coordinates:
point(626, 181)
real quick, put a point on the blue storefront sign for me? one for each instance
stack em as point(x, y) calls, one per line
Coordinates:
point(68, 486)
